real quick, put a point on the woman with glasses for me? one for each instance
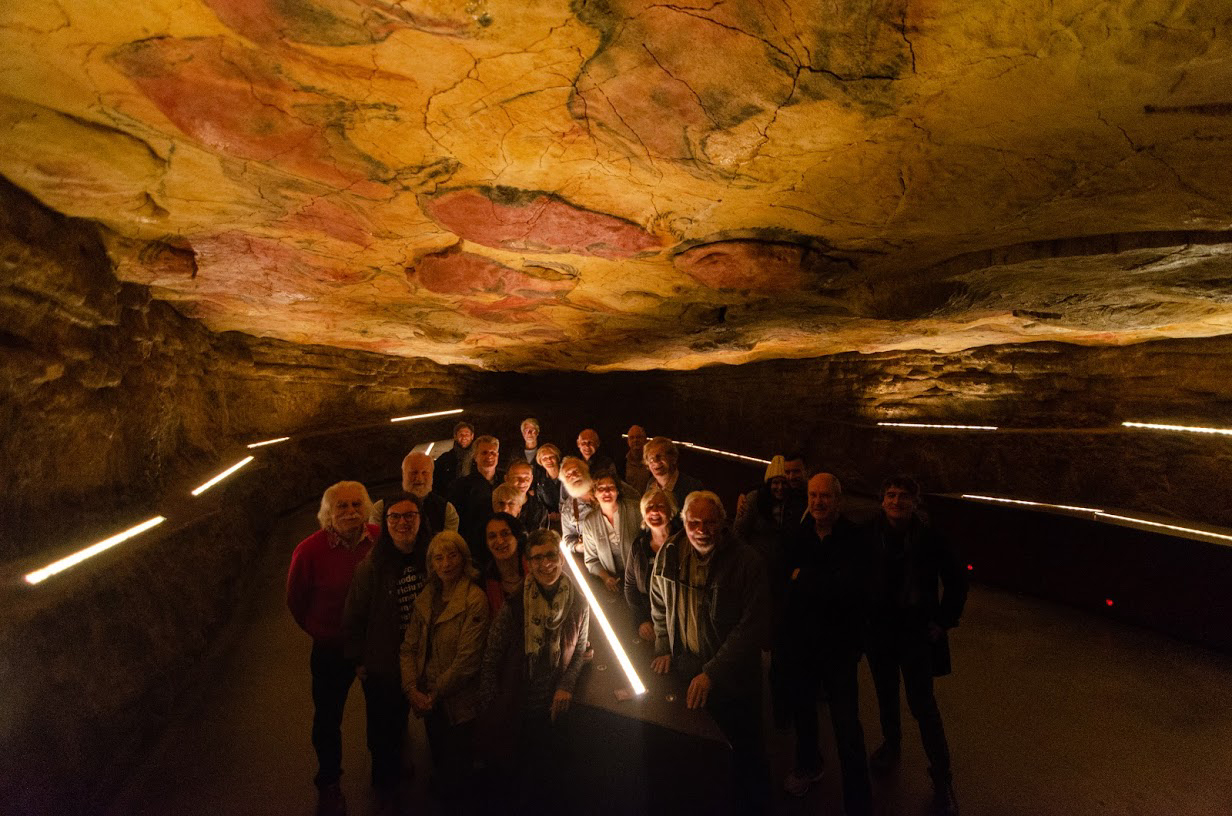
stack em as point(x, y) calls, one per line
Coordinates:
point(506, 538)
point(378, 610)
point(534, 656)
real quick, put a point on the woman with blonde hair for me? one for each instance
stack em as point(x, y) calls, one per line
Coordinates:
point(660, 518)
point(441, 657)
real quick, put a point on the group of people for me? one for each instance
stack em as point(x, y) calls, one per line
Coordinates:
point(449, 599)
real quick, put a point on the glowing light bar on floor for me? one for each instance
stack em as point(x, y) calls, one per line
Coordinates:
point(426, 416)
point(1102, 514)
point(91, 551)
point(1030, 503)
point(947, 427)
point(625, 663)
point(1190, 428)
point(269, 442)
point(202, 488)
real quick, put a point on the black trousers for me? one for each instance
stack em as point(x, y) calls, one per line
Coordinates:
point(332, 676)
point(837, 677)
point(740, 720)
point(907, 650)
point(387, 710)
point(453, 755)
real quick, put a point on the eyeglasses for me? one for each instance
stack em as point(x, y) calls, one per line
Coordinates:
point(402, 516)
point(550, 557)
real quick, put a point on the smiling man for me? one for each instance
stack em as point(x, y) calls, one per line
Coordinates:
point(710, 607)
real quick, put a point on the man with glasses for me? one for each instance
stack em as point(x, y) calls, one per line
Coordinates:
point(661, 460)
point(607, 535)
point(710, 608)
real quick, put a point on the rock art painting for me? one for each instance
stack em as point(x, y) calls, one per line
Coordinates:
point(342, 22)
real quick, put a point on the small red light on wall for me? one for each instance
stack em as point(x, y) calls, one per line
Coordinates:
point(970, 567)
point(1107, 602)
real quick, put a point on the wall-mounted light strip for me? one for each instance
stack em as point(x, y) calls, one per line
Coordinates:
point(202, 488)
point(269, 442)
point(625, 663)
point(94, 549)
point(426, 416)
point(714, 451)
point(1189, 428)
point(932, 425)
point(1103, 514)
point(428, 450)
point(998, 500)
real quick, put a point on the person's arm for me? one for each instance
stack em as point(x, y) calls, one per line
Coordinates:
point(658, 606)
point(468, 659)
point(746, 637)
point(299, 586)
point(570, 523)
point(356, 609)
point(568, 678)
point(408, 654)
point(451, 517)
point(499, 639)
point(590, 546)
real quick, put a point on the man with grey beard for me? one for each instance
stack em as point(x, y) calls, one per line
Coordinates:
point(577, 500)
point(417, 475)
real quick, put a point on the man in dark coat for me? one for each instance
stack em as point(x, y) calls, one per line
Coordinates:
point(454, 463)
point(909, 623)
point(472, 496)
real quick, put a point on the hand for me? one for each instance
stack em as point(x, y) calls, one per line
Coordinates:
point(420, 702)
point(611, 582)
point(699, 691)
point(646, 632)
point(579, 547)
point(361, 672)
point(935, 631)
point(740, 504)
point(560, 703)
point(661, 664)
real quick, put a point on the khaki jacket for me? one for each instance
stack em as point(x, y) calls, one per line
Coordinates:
point(450, 668)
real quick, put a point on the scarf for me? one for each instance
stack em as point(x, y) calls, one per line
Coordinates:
point(543, 619)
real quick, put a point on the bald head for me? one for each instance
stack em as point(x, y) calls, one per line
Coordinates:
point(417, 474)
point(588, 443)
point(824, 492)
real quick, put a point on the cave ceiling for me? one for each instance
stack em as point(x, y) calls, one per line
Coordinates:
point(624, 184)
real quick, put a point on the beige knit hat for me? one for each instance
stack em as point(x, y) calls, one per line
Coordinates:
point(775, 469)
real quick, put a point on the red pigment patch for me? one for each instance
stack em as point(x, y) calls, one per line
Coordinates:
point(243, 262)
point(330, 218)
point(757, 265)
point(237, 102)
point(536, 223)
point(337, 23)
point(453, 272)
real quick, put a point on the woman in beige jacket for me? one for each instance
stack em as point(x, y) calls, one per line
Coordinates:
point(441, 656)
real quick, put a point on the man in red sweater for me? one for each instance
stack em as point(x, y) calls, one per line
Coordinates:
point(317, 584)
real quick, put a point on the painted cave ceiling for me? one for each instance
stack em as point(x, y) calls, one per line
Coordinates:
point(625, 184)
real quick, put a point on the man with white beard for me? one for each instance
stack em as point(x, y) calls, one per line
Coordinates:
point(577, 500)
point(417, 475)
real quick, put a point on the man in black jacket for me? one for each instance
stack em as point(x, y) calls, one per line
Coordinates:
point(829, 569)
point(908, 632)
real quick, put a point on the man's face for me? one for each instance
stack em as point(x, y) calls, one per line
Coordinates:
point(588, 443)
point(823, 498)
point(545, 564)
point(530, 435)
point(794, 471)
point(898, 504)
point(659, 461)
point(463, 437)
point(606, 491)
point(486, 455)
point(347, 516)
point(703, 524)
point(521, 478)
point(637, 438)
point(572, 474)
point(510, 506)
point(417, 474)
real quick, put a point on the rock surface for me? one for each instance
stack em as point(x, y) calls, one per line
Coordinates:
point(628, 185)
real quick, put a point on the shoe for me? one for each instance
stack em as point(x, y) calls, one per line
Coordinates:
point(798, 782)
point(944, 801)
point(330, 801)
point(883, 760)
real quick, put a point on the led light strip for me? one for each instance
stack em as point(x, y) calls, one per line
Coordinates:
point(930, 425)
point(713, 450)
point(1190, 428)
point(1102, 514)
point(94, 549)
point(625, 663)
point(426, 416)
point(428, 450)
point(269, 442)
point(202, 488)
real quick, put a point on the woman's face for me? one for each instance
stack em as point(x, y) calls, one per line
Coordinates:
point(545, 564)
point(403, 520)
point(778, 488)
point(550, 463)
point(501, 542)
point(447, 563)
point(657, 514)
